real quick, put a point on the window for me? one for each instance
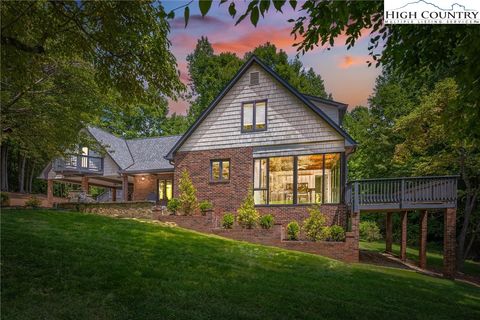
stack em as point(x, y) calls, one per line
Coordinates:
point(165, 189)
point(254, 116)
point(219, 170)
point(298, 179)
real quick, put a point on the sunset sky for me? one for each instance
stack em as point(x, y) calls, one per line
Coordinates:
point(345, 72)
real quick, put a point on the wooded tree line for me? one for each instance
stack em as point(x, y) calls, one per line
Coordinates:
point(69, 64)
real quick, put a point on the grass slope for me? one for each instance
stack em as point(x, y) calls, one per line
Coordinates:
point(434, 255)
point(78, 266)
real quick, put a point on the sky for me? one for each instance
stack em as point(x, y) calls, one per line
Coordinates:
point(345, 72)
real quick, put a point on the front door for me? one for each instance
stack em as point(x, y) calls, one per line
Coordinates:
point(165, 191)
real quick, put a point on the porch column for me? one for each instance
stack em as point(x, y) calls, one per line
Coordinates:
point(422, 250)
point(388, 233)
point(449, 242)
point(125, 187)
point(85, 185)
point(50, 193)
point(113, 191)
point(403, 241)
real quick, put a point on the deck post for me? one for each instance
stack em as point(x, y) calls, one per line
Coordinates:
point(403, 241)
point(50, 192)
point(449, 242)
point(422, 250)
point(388, 233)
point(125, 187)
point(113, 191)
point(85, 185)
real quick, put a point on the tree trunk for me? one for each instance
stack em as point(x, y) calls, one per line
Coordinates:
point(30, 180)
point(21, 174)
point(3, 168)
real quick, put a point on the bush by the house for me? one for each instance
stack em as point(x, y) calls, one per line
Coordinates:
point(293, 230)
point(228, 220)
point(337, 233)
point(188, 194)
point(4, 199)
point(267, 221)
point(369, 231)
point(173, 205)
point(314, 224)
point(205, 206)
point(247, 214)
point(33, 202)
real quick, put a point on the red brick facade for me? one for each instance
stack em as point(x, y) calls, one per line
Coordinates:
point(144, 185)
point(227, 197)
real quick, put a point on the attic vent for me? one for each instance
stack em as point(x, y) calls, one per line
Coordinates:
point(254, 78)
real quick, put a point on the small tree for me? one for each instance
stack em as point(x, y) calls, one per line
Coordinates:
point(314, 224)
point(247, 214)
point(293, 230)
point(188, 194)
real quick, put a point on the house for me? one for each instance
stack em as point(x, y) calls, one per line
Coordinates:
point(261, 135)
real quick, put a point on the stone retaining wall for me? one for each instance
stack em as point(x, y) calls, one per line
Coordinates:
point(131, 209)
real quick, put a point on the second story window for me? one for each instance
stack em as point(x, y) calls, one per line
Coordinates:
point(254, 116)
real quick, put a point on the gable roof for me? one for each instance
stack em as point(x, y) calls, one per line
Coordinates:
point(243, 69)
point(136, 155)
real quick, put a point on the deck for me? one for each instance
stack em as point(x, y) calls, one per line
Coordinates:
point(395, 194)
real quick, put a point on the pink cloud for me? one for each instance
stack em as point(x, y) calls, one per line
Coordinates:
point(349, 61)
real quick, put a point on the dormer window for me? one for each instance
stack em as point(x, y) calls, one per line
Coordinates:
point(254, 116)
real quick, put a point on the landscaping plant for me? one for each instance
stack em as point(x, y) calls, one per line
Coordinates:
point(267, 221)
point(228, 220)
point(337, 233)
point(205, 206)
point(188, 194)
point(33, 202)
point(173, 205)
point(293, 230)
point(314, 224)
point(369, 231)
point(247, 214)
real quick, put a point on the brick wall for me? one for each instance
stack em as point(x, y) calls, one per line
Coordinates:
point(143, 185)
point(227, 197)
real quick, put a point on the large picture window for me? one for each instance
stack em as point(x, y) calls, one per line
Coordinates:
point(297, 179)
point(254, 116)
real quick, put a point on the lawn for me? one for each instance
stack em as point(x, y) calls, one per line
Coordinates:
point(59, 265)
point(434, 255)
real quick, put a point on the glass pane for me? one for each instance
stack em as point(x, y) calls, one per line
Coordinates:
point(248, 116)
point(169, 189)
point(260, 174)
point(260, 196)
point(260, 119)
point(281, 180)
point(161, 188)
point(256, 174)
point(225, 170)
point(85, 151)
point(309, 180)
point(332, 178)
point(216, 170)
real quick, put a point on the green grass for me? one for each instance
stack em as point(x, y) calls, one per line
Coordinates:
point(434, 255)
point(76, 266)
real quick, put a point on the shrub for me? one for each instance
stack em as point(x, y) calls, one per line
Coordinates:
point(188, 194)
point(205, 206)
point(325, 234)
point(314, 224)
point(267, 221)
point(293, 230)
point(337, 233)
point(173, 205)
point(33, 202)
point(4, 199)
point(228, 220)
point(369, 231)
point(247, 214)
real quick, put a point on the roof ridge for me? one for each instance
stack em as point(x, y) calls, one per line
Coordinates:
point(155, 137)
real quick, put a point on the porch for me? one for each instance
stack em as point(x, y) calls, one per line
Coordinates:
point(404, 195)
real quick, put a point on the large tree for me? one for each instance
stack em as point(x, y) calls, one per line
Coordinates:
point(63, 62)
point(210, 72)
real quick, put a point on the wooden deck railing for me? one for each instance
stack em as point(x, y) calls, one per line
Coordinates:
point(81, 163)
point(402, 193)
